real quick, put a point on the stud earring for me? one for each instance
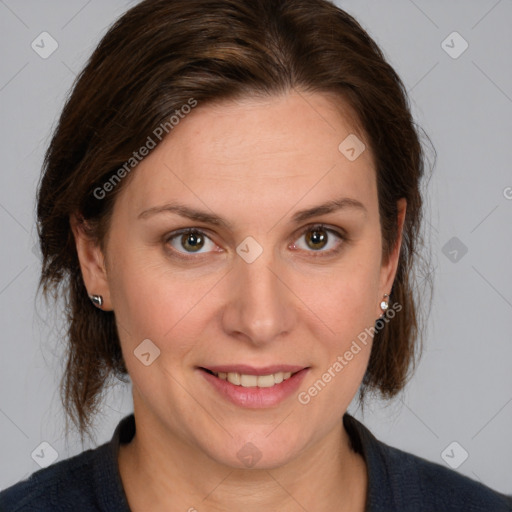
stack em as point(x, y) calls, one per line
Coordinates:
point(384, 305)
point(97, 300)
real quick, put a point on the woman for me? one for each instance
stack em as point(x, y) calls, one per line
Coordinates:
point(231, 205)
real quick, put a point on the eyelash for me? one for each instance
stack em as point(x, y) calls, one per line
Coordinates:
point(339, 234)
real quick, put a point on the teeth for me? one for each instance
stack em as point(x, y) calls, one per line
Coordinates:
point(234, 378)
point(250, 381)
point(278, 377)
point(265, 381)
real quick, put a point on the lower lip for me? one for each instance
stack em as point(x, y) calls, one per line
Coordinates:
point(254, 397)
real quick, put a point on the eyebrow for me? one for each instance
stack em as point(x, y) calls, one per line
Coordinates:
point(343, 203)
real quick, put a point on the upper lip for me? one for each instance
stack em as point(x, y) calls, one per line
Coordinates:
point(251, 370)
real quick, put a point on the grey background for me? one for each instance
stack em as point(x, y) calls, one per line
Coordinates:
point(462, 389)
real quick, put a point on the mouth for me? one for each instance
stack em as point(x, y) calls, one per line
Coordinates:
point(255, 388)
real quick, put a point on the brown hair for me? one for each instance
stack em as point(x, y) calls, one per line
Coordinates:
point(156, 58)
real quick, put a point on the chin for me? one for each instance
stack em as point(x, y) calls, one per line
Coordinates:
point(264, 450)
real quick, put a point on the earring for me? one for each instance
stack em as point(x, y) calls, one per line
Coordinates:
point(97, 300)
point(384, 305)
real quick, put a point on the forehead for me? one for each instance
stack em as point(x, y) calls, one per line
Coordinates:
point(256, 151)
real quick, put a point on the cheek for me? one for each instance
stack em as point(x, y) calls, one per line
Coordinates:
point(139, 300)
point(152, 301)
point(344, 298)
point(345, 315)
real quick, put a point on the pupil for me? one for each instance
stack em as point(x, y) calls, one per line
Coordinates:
point(194, 241)
point(317, 237)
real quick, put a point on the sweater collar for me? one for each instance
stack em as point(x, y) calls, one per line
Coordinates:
point(379, 496)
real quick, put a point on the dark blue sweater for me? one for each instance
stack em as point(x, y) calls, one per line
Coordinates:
point(397, 481)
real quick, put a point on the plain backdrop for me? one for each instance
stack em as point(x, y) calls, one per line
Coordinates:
point(462, 390)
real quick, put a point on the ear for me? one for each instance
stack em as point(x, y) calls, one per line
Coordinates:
point(388, 270)
point(92, 262)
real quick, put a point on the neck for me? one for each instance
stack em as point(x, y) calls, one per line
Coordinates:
point(163, 472)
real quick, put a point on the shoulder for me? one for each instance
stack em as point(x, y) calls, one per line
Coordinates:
point(435, 487)
point(87, 482)
point(402, 481)
point(66, 485)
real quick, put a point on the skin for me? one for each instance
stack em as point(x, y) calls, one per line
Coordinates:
point(254, 163)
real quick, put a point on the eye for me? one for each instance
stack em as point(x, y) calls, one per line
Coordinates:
point(190, 241)
point(319, 238)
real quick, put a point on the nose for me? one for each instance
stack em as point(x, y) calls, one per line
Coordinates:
point(261, 306)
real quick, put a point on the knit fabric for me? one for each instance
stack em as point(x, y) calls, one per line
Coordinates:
point(397, 481)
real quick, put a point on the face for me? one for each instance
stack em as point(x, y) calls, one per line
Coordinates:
point(247, 238)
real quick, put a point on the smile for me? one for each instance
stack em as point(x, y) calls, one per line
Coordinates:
point(267, 389)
